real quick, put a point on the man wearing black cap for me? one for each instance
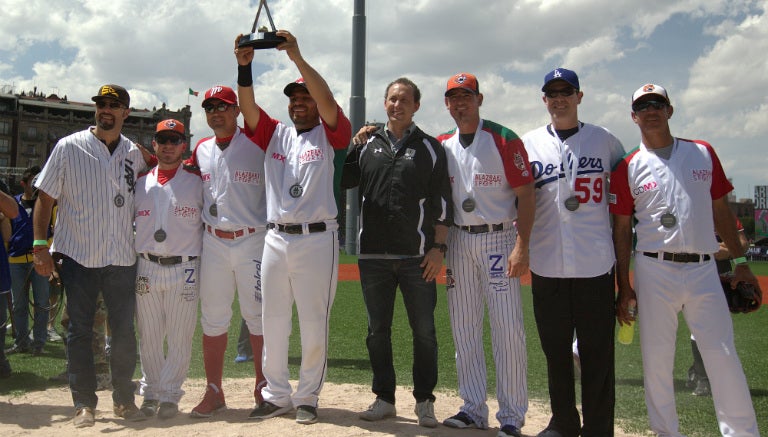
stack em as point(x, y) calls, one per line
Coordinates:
point(92, 175)
point(571, 162)
point(300, 261)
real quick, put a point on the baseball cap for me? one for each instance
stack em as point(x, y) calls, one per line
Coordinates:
point(650, 88)
point(112, 91)
point(170, 125)
point(288, 90)
point(561, 74)
point(220, 92)
point(464, 81)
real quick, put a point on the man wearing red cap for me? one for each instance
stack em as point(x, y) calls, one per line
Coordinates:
point(168, 207)
point(301, 248)
point(492, 187)
point(234, 217)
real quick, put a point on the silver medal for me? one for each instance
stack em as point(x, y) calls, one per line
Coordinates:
point(296, 190)
point(160, 235)
point(571, 203)
point(468, 205)
point(213, 210)
point(668, 220)
point(119, 201)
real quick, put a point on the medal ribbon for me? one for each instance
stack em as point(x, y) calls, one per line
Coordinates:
point(574, 164)
point(163, 197)
point(672, 165)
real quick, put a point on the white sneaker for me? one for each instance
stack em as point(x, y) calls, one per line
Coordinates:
point(378, 410)
point(425, 411)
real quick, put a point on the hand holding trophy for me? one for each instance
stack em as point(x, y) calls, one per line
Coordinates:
point(262, 38)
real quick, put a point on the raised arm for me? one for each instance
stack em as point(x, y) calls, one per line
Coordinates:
point(245, 97)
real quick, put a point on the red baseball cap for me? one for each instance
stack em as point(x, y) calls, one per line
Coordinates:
point(170, 125)
point(220, 92)
point(463, 80)
point(288, 90)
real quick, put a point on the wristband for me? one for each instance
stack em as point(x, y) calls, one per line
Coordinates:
point(739, 260)
point(244, 75)
point(40, 243)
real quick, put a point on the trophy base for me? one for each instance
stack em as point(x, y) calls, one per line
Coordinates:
point(261, 40)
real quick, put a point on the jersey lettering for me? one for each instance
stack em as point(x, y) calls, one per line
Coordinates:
point(190, 276)
point(130, 176)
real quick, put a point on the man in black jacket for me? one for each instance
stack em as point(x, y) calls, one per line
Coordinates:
point(405, 207)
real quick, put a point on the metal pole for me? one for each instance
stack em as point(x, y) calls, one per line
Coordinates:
point(356, 116)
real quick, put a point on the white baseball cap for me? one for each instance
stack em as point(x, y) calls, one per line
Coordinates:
point(650, 88)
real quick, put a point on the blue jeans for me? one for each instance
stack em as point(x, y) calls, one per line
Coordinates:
point(117, 285)
point(40, 290)
point(379, 279)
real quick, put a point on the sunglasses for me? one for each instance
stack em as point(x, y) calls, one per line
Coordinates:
point(551, 94)
point(101, 104)
point(173, 140)
point(221, 107)
point(643, 106)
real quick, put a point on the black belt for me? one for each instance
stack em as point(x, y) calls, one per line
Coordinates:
point(481, 229)
point(167, 260)
point(679, 257)
point(298, 229)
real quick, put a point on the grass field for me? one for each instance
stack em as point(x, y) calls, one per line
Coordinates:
point(348, 360)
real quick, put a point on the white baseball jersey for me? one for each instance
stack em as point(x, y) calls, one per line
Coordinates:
point(560, 238)
point(87, 181)
point(233, 180)
point(486, 172)
point(692, 177)
point(175, 208)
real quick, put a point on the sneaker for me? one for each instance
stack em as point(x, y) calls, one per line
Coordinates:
point(509, 431)
point(268, 409)
point(461, 421)
point(702, 387)
point(306, 415)
point(425, 411)
point(167, 410)
point(149, 407)
point(129, 412)
point(84, 417)
point(242, 359)
point(378, 410)
point(17, 349)
point(213, 402)
point(103, 381)
point(5, 369)
point(53, 335)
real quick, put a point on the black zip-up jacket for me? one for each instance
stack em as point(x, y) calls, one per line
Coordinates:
point(402, 195)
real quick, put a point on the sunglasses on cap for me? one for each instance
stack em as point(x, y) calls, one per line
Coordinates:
point(173, 140)
point(643, 106)
point(551, 94)
point(101, 104)
point(221, 107)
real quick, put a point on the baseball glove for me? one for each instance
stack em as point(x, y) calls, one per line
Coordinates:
point(742, 299)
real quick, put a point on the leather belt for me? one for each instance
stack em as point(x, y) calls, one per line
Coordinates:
point(481, 229)
point(298, 229)
point(229, 235)
point(678, 257)
point(167, 260)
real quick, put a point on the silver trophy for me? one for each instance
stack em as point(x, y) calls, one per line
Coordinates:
point(262, 38)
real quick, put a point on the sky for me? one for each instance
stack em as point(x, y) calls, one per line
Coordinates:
point(711, 55)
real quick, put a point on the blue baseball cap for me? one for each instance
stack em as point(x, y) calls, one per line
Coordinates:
point(561, 74)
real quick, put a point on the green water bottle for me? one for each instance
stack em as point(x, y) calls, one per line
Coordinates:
point(627, 330)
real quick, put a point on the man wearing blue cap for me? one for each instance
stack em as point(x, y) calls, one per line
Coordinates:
point(571, 162)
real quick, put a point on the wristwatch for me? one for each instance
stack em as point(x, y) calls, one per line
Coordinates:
point(442, 247)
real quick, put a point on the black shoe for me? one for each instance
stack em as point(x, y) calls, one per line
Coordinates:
point(167, 410)
point(37, 351)
point(306, 415)
point(17, 349)
point(5, 369)
point(509, 431)
point(149, 407)
point(267, 410)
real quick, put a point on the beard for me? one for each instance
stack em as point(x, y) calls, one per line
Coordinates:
point(105, 124)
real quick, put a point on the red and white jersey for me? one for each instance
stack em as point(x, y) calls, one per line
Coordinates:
point(174, 208)
point(95, 193)
point(486, 172)
point(692, 177)
point(233, 180)
point(299, 168)
point(561, 239)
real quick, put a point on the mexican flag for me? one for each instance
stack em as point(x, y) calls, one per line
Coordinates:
point(193, 93)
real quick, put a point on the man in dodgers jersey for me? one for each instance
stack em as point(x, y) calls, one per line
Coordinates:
point(571, 162)
point(234, 216)
point(92, 174)
point(492, 186)
point(169, 200)
point(301, 250)
point(676, 190)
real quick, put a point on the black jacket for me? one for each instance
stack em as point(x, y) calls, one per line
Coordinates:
point(402, 195)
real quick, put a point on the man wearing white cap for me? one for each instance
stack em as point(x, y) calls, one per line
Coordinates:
point(676, 190)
